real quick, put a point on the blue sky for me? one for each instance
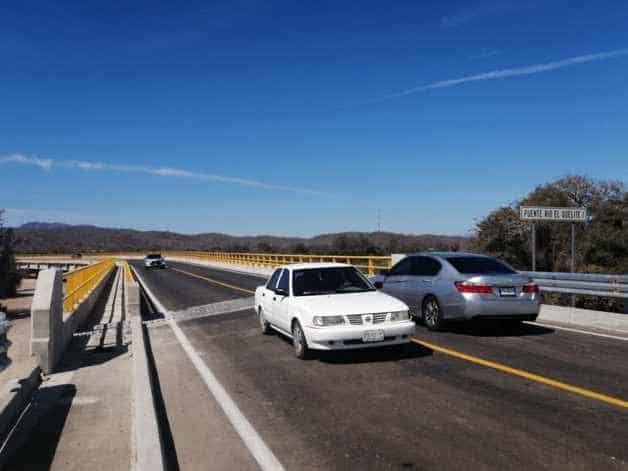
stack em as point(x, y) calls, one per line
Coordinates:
point(298, 118)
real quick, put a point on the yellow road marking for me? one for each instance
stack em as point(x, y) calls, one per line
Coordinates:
point(216, 282)
point(524, 374)
point(479, 361)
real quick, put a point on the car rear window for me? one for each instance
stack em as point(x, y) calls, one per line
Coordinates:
point(480, 266)
point(154, 255)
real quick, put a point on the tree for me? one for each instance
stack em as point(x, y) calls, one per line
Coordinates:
point(601, 243)
point(503, 235)
point(301, 248)
point(9, 275)
point(264, 247)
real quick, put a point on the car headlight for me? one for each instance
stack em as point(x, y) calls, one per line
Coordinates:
point(399, 316)
point(322, 321)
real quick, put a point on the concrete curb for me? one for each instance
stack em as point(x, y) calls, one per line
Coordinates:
point(584, 318)
point(147, 443)
point(14, 397)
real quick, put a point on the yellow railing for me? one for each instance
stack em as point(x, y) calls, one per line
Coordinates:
point(369, 264)
point(79, 283)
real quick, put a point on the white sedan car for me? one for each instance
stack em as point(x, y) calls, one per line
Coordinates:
point(327, 306)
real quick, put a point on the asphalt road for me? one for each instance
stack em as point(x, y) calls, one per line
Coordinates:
point(385, 409)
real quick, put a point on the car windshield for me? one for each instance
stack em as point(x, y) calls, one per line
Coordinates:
point(480, 266)
point(332, 280)
point(154, 255)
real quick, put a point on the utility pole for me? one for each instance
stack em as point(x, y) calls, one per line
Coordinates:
point(379, 221)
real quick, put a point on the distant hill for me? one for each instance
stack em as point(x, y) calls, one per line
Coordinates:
point(37, 237)
point(44, 225)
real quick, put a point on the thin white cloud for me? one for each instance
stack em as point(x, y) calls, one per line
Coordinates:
point(506, 73)
point(479, 11)
point(44, 164)
point(89, 166)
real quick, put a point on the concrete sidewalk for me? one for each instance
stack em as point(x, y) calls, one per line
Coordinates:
point(80, 418)
point(21, 363)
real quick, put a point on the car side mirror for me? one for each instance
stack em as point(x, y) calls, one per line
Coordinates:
point(281, 292)
point(378, 284)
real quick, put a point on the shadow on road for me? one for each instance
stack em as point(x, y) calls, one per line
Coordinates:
point(492, 328)
point(33, 443)
point(363, 355)
point(373, 355)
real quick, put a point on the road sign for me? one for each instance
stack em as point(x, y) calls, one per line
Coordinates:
point(543, 213)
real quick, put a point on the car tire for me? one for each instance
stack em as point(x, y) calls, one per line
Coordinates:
point(264, 325)
point(432, 314)
point(299, 342)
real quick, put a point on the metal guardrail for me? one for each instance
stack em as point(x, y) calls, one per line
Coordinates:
point(591, 284)
point(366, 263)
point(78, 283)
point(34, 265)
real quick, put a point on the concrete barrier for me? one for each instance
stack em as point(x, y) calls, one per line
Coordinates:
point(147, 440)
point(51, 329)
point(47, 318)
point(132, 304)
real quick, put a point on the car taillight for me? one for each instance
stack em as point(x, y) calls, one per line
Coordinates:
point(464, 287)
point(531, 289)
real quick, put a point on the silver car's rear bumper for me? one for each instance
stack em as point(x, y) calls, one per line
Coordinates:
point(474, 306)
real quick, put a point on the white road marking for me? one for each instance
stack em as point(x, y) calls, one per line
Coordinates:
point(215, 309)
point(253, 441)
point(578, 331)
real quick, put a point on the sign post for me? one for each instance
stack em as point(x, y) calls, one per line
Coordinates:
point(543, 213)
point(573, 257)
point(533, 246)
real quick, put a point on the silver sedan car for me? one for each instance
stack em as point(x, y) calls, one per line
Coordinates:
point(443, 286)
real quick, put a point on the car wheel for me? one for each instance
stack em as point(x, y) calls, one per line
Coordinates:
point(264, 326)
point(298, 341)
point(432, 314)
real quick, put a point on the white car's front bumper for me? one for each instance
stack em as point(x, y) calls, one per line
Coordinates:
point(346, 337)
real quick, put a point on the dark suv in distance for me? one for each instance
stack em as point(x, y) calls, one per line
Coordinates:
point(443, 286)
point(154, 260)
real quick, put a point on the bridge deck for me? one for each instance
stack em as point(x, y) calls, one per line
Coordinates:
point(379, 409)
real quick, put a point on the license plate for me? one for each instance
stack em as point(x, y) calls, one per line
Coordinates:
point(373, 336)
point(507, 291)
